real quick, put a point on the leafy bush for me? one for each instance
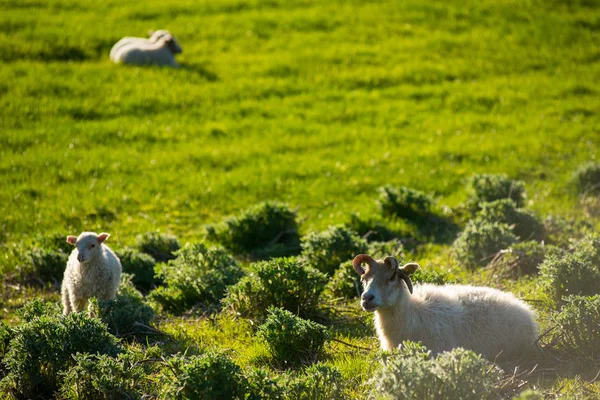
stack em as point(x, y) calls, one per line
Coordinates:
point(161, 246)
point(282, 282)
point(345, 283)
point(291, 340)
point(127, 315)
point(326, 250)
point(37, 308)
point(380, 250)
point(573, 273)
point(197, 277)
point(579, 322)
point(429, 275)
point(526, 225)
point(54, 241)
point(43, 347)
point(480, 241)
point(43, 265)
point(103, 377)
point(369, 229)
point(6, 334)
point(141, 265)
point(529, 394)
point(208, 376)
point(403, 202)
point(264, 384)
point(457, 374)
point(317, 382)
point(523, 258)
point(561, 231)
point(263, 231)
point(587, 178)
point(489, 187)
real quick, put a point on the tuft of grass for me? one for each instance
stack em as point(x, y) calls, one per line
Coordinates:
point(403, 202)
point(525, 224)
point(140, 266)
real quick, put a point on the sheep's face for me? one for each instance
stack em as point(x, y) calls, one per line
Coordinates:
point(89, 245)
point(384, 282)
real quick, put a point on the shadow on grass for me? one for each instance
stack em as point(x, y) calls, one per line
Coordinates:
point(201, 71)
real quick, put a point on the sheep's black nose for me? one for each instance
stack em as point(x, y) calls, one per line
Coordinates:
point(367, 297)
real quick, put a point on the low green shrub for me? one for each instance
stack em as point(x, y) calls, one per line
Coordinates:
point(369, 229)
point(40, 265)
point(381, 250)
point(140, 265)
point(265, 384)
point(207, 376)
point(197, 277)
point(54, 241)
point(265, 230)
point(525, 224)
point(37, 308)
point(490, 187)
point(573, 273)
point(103, 377)
point(403, 202)
point(291, 340)
point(317, 382)
point(529, 394)
point(43, 347)
point(561, 232)
point(282, 282)
point(587, 178)
point(161, 246)
point(523, 258)
point(326, 250)
point(345, 283)
point(479, 242)
point(579, 323)
point(127, 316)
point(429, 275)
point(414, 374)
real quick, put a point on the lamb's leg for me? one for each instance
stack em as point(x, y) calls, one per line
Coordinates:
point(78, 305)
point(66, 301)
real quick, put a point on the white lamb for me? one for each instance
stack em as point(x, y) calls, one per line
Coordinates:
point(485, 320)
point(154, 36)
point(93, 270)
point(162, 52)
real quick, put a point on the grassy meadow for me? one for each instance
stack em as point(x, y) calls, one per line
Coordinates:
point(313, 104)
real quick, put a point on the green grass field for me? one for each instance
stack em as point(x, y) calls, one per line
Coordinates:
point(315, 104)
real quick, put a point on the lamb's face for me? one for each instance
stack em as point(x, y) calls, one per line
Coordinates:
point(383, 281)
point(89, 245)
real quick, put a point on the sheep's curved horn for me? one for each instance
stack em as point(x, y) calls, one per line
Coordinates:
point(359, 259)
point(406, 278)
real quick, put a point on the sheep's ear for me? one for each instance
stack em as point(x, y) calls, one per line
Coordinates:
point(410, 268)
point(72, 240)
point(391, 261)
point(102, 237)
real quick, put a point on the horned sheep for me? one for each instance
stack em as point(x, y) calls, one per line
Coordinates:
point(485, 320)
point(154, 36)
point(162, 52)
point(93, 270)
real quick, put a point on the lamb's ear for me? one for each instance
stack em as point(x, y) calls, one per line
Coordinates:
point(410, 268)
point(391, 261)
point(102, 237)
point(72, 240)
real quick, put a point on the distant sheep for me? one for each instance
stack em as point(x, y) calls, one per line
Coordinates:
point(93, 270)
point(485, 320)
point(162, 52)
point(154, 36)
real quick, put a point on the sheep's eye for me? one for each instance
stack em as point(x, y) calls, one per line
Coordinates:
point(93, 246)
